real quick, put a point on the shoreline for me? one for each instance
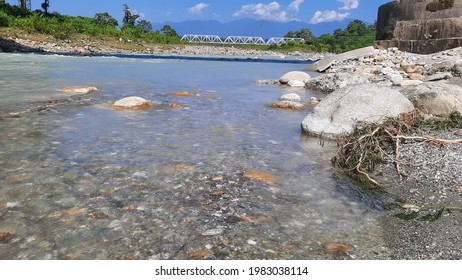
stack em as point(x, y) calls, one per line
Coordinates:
point(86, 47)
point(422, 179)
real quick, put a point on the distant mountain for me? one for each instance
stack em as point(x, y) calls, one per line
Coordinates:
point(250, 27)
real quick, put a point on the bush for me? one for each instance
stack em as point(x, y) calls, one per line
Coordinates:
point(4, 19)
point(102, 24)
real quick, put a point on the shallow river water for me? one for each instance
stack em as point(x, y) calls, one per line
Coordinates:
point(79, 180)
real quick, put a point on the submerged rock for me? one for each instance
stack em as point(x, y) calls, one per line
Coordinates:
point(291, 97)
point(175, 106)
point(337, 114)
point(260, 176)
point(132, 103)
point(287, 105)
point(294, 76)
point(267, 82)
point(182, 94)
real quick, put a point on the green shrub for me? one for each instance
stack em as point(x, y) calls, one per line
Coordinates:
point(4, 19)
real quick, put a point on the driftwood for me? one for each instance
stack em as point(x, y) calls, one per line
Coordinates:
point(371, 144)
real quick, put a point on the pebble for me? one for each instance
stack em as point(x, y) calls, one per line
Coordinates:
point(215, 231)
point(12, 204)
point(251, 242)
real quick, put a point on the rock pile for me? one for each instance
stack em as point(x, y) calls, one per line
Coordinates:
point(367, 83)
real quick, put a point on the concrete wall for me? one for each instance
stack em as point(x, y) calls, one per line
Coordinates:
point(420, 20)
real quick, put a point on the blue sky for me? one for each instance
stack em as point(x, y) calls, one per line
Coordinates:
point(313, 11)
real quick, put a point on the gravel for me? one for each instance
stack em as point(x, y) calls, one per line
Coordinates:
point(432, 179)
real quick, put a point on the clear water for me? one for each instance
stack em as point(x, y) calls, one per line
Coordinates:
point(82, 181)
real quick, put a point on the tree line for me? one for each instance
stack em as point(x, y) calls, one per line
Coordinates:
point(102, 24)
point(356, 35)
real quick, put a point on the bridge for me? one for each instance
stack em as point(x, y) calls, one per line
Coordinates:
point(238, 40)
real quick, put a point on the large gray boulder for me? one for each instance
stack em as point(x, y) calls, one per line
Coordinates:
point(435, 98)
point(338, 113)
point(329, 82)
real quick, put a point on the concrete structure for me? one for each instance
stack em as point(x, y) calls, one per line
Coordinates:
point(420, 26)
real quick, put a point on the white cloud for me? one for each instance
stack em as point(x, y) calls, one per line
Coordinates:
point(259, 9)
point(198, 8)
point(140, 14)
point(327, 16)
point(295, 5)
point(349, 4)
point(272, 11)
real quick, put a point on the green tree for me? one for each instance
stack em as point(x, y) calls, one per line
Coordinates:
point(145, 26)
point(129, 18)
point(169, 31)
point(305, 34)
point(105, 19)
point(356, 27)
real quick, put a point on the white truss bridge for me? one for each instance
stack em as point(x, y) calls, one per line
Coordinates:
point(238, 40)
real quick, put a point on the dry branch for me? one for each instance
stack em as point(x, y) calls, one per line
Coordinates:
point(370, 144)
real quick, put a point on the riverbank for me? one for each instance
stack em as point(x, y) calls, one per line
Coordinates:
point(20, 41)
point(421, 173)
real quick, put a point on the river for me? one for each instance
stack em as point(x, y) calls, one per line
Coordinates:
point(82, 181)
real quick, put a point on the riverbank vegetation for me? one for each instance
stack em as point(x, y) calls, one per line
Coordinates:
point(356, 35)
point(103, 26)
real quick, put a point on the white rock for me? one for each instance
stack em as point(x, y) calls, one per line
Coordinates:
point(295, 83)
point(132, 102)
point(251, 242)
point(387, 71)
point(294, 75)
point(214, 231)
